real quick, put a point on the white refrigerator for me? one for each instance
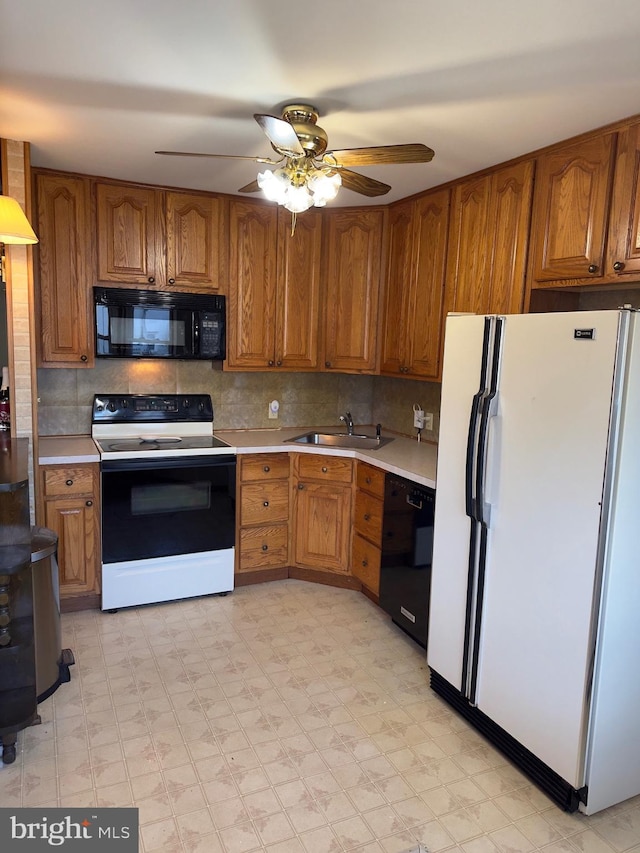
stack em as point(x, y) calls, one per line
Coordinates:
point(534, 625)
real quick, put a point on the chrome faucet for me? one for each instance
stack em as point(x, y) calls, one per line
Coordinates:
point(348, 420)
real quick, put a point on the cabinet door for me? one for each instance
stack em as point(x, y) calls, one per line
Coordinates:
point(509, 217)
point(571, 210)
point(66, 330)
point(469, 246)
point(298, 292)
point(431, 223)
point(195, 240)
point(322, 525)
point(624, 241)
point(75, 520)
point(399, 283)
point(130, 225)
point(352, 284)
point(252, 301)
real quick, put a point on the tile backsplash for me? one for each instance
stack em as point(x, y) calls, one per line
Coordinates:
point(240, 400)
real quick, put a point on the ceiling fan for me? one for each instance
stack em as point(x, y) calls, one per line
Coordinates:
point(307, 173)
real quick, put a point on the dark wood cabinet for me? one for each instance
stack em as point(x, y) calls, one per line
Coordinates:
point(63, 205)
point(412, 316)
point(352, 261)
point(489, 233)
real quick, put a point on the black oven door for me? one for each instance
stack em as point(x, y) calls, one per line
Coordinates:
point(164, 507)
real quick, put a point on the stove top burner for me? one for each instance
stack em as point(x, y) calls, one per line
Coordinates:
point(151, 445)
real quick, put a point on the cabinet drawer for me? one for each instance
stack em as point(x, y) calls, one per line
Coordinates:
point(264, 547)
point(368, 517)
point(316, 467)
point(266, 466)
point(370, 479)
point(264, 503)
point(68, 481)
point(366, 563)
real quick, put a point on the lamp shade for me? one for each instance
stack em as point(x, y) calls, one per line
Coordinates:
point(14, 225)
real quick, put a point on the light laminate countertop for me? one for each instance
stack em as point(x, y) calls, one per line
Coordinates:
point(403, 456)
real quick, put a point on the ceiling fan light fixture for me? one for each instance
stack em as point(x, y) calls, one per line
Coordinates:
point(323, 186)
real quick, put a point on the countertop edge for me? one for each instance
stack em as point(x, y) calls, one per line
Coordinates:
point(419, 464)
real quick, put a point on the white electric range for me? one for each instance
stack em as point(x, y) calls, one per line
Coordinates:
point(168, 498)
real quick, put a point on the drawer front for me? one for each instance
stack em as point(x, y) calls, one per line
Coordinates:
point(333, 468)
point(264, 466)
point(368, 517)
point(370, 479)
point(366, 563)
point(68, 481)
point(264, 503)
point(264, 547)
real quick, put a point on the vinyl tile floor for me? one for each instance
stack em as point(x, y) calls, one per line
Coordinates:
point(286, 717)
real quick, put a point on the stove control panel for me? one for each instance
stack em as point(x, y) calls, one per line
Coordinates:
point(147, 408)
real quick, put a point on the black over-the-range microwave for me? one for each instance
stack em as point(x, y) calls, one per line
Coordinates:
point(158, 324)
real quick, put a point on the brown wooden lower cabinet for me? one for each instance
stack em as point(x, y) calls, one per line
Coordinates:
point(72, 510)
point(367, 539)
point(263, 517)
point(322, 513)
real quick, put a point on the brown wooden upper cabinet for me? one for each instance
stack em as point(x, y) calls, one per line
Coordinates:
point(352, 261)
point(274, 302)
point(159, 239)
point(63, 204)
point(489, 232)
point(412, 318)
point(586, 218)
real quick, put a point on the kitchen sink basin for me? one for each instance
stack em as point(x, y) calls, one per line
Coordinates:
point(340, 439)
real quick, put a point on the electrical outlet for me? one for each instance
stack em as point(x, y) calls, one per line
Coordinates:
point(418, 418)
point(428, 420)
point(274, 408)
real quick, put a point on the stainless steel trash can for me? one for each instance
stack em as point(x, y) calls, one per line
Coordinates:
point(52, 661)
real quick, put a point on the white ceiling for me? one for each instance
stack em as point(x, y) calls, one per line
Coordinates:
point(97, 87)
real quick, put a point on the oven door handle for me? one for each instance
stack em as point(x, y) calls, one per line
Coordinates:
point(156, 463)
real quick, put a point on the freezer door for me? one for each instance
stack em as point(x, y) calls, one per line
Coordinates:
point(547, 454)
point(465, 378)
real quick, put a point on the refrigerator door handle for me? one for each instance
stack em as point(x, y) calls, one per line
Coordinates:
point(474, 420)
point(488, 410)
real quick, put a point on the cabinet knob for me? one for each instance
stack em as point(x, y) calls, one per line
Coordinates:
point(593, 268)
point(84, 358)
point(69, 482)
point(324, 469)
point(619, 265)
point(172, 281)
point(265, 503)
point(270, 362)
point(367, 480)
point(266, 469)
point(301, 486)
point(151, 279)
point(89, 503)
point(265, 547)
point(327, 364)
point(367, 517)
point(278, 363)
point(365, 563)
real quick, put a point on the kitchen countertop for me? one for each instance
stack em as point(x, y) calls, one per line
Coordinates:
point(403, 456)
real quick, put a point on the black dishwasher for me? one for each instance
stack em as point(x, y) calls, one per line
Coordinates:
point(407, 546)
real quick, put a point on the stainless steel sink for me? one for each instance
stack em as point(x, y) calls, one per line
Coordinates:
point(340, 439)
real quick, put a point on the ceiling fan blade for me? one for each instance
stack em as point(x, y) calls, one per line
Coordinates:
point(380, 155)
point(281, 135)
point(227, 156)
point(253, 187)
point(362, 184)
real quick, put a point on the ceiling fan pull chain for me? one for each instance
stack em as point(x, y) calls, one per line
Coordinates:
point(293, 222)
